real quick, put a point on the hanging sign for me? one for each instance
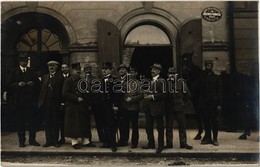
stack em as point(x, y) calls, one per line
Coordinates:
point(211, 14)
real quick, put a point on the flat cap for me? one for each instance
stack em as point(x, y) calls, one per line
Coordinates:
point(208, 62)
point(122, 66)
point(172, 70)
point(87, 66)
point(52, 62)
point(23, 57)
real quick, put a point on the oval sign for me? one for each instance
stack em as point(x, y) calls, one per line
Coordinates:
point(211, 14)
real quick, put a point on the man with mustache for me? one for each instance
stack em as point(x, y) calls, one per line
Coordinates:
point(50, 100)
point(155, 109)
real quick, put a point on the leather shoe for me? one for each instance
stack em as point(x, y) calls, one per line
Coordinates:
point(197, 137)
point(105, 146)
point(22, 145)
point(76, 146)
point(206, 141)
point(159, 150)
point(47, 145)
point(61, 141)
point(215, 143)
point(188, 147)
point(34, 143)
point(168, 147)
point(134, 146)
point(148, 146)
point(114, 149)
point(56, 145)
point(243, 137)
point(89, 145)
point(121, 144)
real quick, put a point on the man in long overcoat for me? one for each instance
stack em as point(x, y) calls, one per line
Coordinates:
point(210, 102)
point(155, 109)
point(76, 115)
point(22, 84)
point(50, 100)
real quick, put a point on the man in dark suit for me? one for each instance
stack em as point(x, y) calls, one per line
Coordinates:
point(108, 107)
point(210, 102)
point(66, 74)
point(177, 95)
point(122, 114)
point(50, 100)
point(155, 108)
point(22, 83)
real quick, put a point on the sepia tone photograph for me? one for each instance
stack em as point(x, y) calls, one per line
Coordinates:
point(129, 83)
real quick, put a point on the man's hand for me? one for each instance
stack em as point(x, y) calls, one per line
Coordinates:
point(30, 83)
point(219, 108)
point(80, 99)
point(115, 108)
point(148, 97)
point(21, 84)
point(128, 99)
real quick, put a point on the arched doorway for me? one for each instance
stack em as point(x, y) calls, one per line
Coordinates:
point(42, 36)
point(145, 45)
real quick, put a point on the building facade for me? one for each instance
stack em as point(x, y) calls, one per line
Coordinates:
point(135, 33)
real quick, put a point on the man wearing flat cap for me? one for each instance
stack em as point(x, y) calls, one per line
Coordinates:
point(175, 102)
point(22, 86)
point(108, 107)
point(154, 104)
point(50, 99)
point(210, 102)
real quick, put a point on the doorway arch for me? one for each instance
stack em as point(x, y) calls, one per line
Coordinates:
point(160, 20)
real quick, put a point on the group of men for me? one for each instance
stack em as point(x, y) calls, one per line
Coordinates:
point(67, 108)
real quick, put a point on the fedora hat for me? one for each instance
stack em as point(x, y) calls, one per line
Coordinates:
point(157, 66)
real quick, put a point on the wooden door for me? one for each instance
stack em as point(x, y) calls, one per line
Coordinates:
point(108, 42)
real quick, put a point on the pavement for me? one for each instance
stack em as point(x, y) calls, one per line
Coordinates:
point(229, 145)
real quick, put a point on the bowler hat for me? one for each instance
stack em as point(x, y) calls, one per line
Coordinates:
point(122, 66)
point(23, 57)
point(208, 62)
point(107, 65)
point(172, 70)
point(157, 66)
point(75, 66)
point(52, 62)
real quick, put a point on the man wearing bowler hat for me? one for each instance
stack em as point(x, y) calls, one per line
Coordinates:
point(122, 114)
point(50, 99)
point(177, 95)
point(210, 102)
point(108, 107)
point(154, 104)
point(22, 84)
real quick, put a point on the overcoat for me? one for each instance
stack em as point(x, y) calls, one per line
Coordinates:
point(76, 116)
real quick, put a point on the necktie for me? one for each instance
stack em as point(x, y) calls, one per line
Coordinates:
point(24, 70)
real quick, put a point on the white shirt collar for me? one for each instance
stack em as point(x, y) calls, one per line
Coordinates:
point(23, 68)
point(155, 78)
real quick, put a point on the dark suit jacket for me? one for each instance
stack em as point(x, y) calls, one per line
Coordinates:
point(57, 89)
point(22, 95)
point(156, 106)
